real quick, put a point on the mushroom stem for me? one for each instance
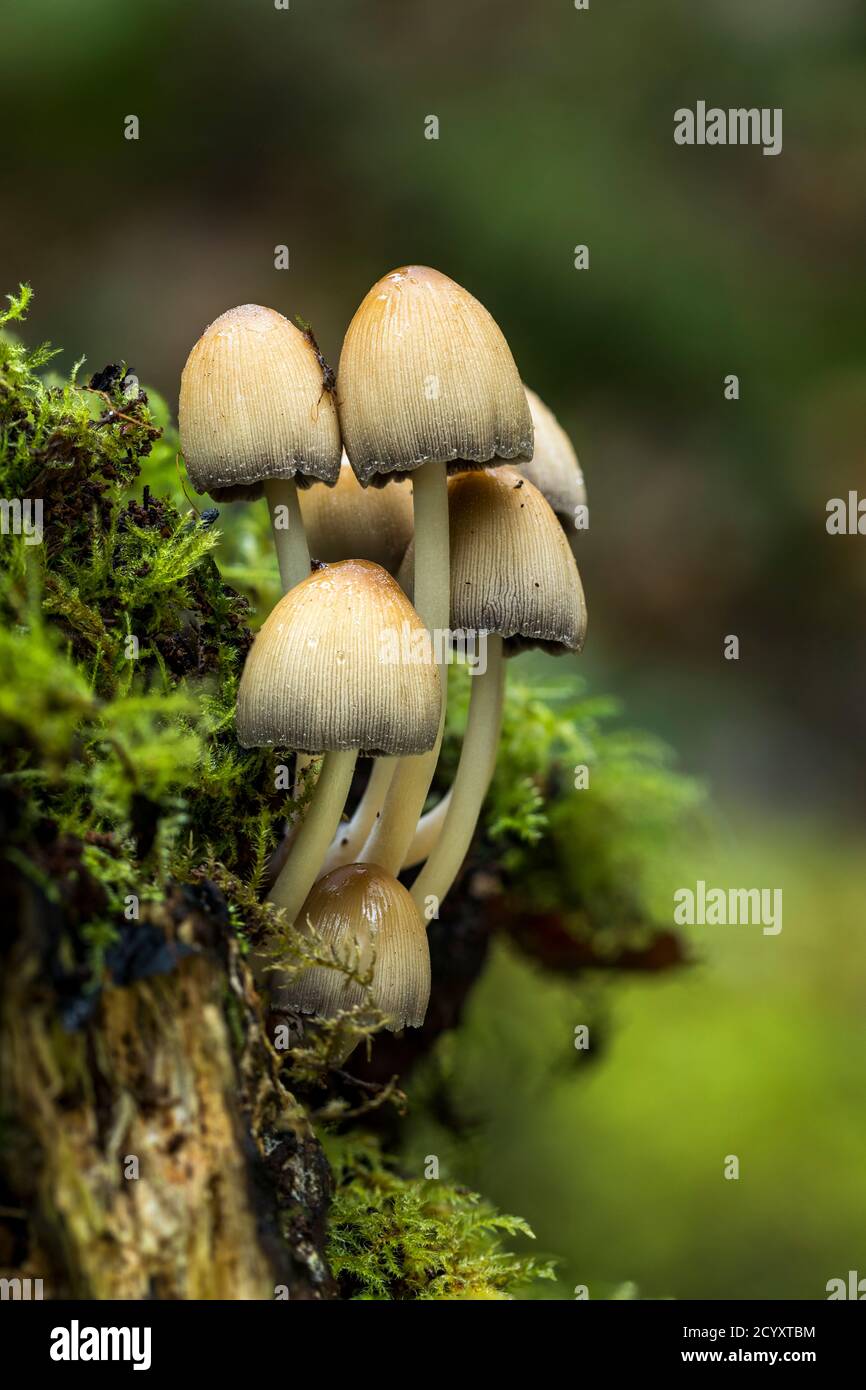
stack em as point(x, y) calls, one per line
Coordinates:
point(429, 827)
point(350, 838)
point(427, 832)
point(389, 841)
point(315, 834)
point(474, 771)
point(290, 541)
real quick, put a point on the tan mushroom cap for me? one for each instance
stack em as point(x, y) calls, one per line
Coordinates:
point(252, 407)
point(512, 570)
point(554, 468)
point(343, 661)
point(425, 373)
point(367, 918)
point(364, 523)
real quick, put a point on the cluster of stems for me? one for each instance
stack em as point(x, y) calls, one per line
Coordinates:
point(388, 827)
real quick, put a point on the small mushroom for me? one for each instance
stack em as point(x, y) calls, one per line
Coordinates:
point(370, 923)
point(327, 673)
point(554, 468)
point(513, 576)
point(426, 383)
point(255, 417)
point(349, 521)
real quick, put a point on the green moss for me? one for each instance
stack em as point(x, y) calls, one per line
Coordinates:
point(120, 645)
point(398, 1238)
point(563, 845)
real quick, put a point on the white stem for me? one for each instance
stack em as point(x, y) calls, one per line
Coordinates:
point(427, 832)
point(350, 838)
point(477, 759)
point(315, 834)
point(429, 827)
point(389, 841)
point(290, 539)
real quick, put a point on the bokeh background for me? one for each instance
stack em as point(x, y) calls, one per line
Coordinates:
point(305, 127)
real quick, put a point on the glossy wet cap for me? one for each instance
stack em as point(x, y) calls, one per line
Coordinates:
point(368, 919)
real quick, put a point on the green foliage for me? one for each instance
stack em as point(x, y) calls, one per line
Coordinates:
point(398, 1238)
point(120, 645)
point(592, 847)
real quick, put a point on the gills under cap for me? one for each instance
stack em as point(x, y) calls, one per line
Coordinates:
point(253, 407)
point(426, 374)
point(343, 661)
point(368, 919)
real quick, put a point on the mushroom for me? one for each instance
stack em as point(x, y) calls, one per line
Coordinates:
point(349, 521)
point(369, 922)
point(426, 384)
point(554, 468)
point(368, 523)
point(324, 675)
point(255, 417)
point(514, 577)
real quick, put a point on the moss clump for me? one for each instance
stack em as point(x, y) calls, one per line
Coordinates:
point(120, 647)
point(397, 1238)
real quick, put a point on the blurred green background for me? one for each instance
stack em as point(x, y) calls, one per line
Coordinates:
point(305, 127)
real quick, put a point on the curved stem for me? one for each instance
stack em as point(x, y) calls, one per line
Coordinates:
point(315, 834)
point(429, 827)
point(477, 758)
point(389, 841)
point(290, 541)
point(427, 832)
point(349, 840)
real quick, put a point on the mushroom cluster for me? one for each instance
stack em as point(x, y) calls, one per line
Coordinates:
point(352, 659)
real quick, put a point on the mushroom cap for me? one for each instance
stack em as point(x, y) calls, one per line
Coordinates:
point(554, 468)
point(351, 520)
point(343, 661)
point(368, 918)
point(512, 570)
point(425, 373)
point(252, 406)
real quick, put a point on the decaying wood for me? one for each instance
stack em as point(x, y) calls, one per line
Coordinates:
point(171, 1078)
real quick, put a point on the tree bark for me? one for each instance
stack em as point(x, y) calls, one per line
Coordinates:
point(153, 1152)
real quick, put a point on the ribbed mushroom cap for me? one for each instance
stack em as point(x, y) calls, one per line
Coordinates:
point(252, 406)
point(512, 570)
point(367, 918)
point(554, 468)
point(343, 661)
point(425, 373)
point(349, 520)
